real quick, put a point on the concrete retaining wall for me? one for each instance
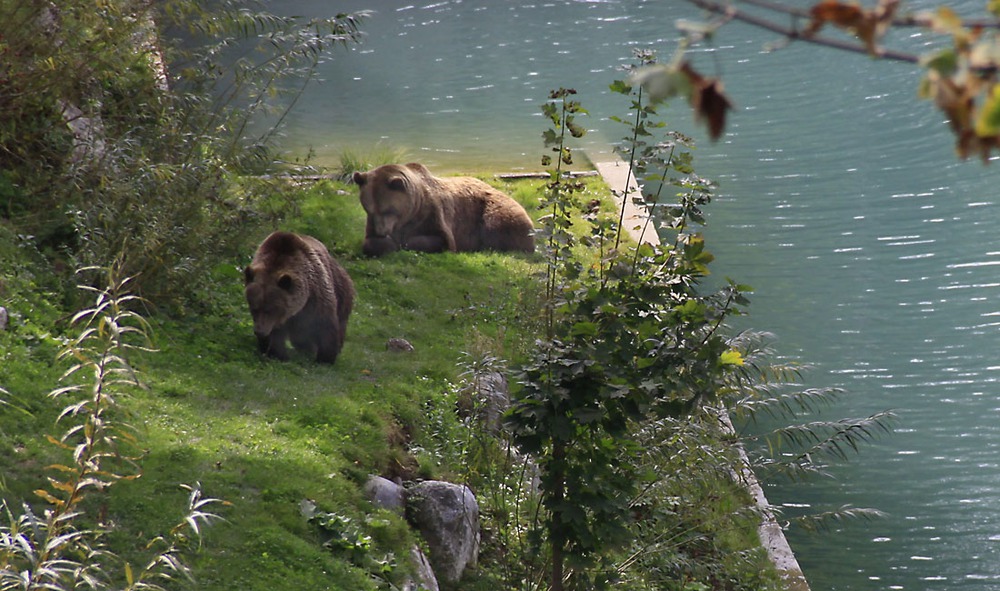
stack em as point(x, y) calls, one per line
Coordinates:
point(616, 175)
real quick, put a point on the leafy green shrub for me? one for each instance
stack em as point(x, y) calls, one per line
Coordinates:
point(108, 157)
point(620, 400)
point(370, 545)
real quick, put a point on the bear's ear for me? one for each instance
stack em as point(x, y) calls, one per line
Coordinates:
point(418, 168)
point(248, 275)
point(285, 282)
point(359, 178)
point(397, 183)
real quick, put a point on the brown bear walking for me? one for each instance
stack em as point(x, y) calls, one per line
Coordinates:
point(408, 208)
point(298, 292)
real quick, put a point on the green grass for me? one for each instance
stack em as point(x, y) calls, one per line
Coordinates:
point(263, 435)
point(266, 435)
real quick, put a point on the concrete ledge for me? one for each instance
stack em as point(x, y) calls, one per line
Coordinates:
point(771, 535)
point(616, 175)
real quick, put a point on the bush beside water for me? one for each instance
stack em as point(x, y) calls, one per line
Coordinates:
point(159, 395)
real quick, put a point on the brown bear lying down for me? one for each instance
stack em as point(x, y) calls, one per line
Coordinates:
point(298, 292)
point(408, 208)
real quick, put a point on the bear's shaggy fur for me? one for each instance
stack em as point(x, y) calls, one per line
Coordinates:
point(408, 208)
point(297, 291)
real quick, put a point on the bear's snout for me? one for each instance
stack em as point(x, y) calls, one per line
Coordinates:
point(262, 328)
point(383, 227)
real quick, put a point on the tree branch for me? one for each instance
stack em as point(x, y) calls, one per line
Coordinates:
point(902, 21)
point(792, 33)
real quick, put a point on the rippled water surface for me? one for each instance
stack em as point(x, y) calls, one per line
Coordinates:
point(874, 253)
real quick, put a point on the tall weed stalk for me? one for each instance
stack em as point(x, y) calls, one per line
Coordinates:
point(62, 547)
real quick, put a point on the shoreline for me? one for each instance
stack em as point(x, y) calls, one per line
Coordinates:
point(616, 174)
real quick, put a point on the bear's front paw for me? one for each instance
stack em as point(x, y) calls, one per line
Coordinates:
point(376, 246)
point(271, 347)
point(427, 243)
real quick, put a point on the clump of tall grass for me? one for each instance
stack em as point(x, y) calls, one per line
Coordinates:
point(362, 159)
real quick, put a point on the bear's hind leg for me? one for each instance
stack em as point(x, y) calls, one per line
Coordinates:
point(329, 343)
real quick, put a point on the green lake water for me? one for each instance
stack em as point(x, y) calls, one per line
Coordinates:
point(873, 251)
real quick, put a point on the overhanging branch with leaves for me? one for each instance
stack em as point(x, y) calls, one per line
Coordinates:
point(960, 78)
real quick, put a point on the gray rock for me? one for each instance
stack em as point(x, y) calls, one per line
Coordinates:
point(493, 395)
point(385, 494)
point(425, 579)
point(447, 517)
point(88, 133)
point(4, 318)
point(398, 345)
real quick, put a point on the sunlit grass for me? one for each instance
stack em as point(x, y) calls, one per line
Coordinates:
point(265, 435)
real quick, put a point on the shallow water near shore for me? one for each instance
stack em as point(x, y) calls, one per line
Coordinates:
point(873, 251)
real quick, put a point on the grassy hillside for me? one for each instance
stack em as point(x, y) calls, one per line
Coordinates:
point(264, 436)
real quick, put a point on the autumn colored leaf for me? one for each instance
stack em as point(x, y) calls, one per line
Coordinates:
point(706, 95)
point(709, 101)
point(945, 20)
point(984, 55)
point(845, 16)
point(953, 99)
point(976, 132)
point(869, 25)
point(969, 143)
point(731, 357)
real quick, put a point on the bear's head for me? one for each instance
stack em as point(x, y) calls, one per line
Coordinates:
point(274, 295)
point(390, 195)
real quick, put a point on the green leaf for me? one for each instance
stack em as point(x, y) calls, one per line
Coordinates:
point(692, 310)
point(585, 329)
point(988, 122)
point(588, 415)
point(620, 87)
point(945, 62)
point(731, 357)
